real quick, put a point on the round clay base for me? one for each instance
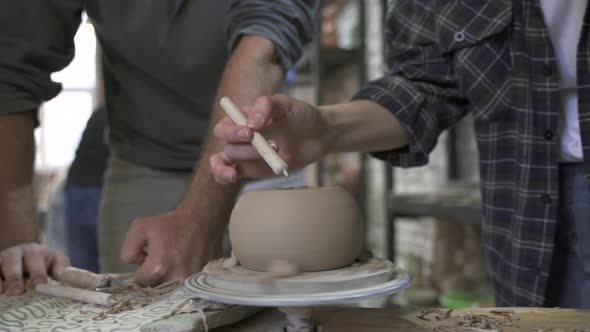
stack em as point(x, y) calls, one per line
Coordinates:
point(235, 284)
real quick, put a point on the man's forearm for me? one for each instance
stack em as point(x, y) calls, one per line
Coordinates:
point(17, 208)
point(361, 125)
point(251, 71)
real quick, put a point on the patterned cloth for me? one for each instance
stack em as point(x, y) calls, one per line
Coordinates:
point(34, 312)
point(495, 60)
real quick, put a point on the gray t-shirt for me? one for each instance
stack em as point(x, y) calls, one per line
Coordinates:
point(162, 62)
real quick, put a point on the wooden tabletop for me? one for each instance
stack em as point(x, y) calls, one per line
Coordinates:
point(391, 320)
point(33, 311)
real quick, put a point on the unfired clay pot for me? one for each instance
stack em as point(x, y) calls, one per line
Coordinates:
point(313, 228)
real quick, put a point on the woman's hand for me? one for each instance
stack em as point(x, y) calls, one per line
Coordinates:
point(294, 128)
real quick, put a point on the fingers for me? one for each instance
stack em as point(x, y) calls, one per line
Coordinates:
point(225, 170)
point(12, 268)
point(136, 250)
point(241, 152)
point(222, 169)
point(227, 131)
point(245, 152)
point(152, 272)
point(58, 262)
point(35, 262)
point(264, 111)
point(267, 108)
point(33, 258)
point(132, 251)
point(155, 268)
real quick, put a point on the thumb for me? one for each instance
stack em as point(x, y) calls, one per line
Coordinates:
point(223, 168)
point(133, 249)
point(153, 270)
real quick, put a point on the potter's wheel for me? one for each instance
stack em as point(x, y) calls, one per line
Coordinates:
point(237, 285)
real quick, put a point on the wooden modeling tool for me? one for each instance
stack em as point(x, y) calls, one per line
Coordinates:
point(81, 285)
point(270, 156)
point(75, 294)
point(83, 279)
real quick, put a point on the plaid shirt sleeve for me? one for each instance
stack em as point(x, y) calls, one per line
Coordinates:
point(421, 88)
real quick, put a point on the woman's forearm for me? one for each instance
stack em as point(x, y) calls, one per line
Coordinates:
point(361, 125)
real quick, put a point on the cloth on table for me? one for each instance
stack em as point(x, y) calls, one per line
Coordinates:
point(177, 311)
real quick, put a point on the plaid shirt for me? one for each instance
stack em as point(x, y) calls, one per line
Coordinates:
point(495, 60)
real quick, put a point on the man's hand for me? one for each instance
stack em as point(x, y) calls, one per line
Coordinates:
point(177, 244)
point(38, 261)
point(296, 128)
point(169, 247)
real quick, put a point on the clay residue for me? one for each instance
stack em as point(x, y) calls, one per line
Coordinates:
point(132, 296)
point(562, 330)
point(444, 321)
point(300, 189)
point(280, 268)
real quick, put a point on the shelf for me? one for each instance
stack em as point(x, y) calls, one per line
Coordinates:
point(331, 59)
point(456, 207)
point(338, 56)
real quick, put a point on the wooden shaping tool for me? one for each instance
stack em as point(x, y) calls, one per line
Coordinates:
point(75, 294)
point(270, 156)
point(80, 285)
point(83, 279)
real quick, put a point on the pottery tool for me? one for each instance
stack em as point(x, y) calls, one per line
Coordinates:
point(75, 294)
point(84, 286)
point(79, 278)
point(83, 279)
point(231, 283)
point(270, 156)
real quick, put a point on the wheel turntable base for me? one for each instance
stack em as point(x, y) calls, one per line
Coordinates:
point(235, 284)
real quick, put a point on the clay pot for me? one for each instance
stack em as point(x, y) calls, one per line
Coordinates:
point(314, 228)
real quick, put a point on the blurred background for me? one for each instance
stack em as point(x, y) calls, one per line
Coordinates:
point(426, 219)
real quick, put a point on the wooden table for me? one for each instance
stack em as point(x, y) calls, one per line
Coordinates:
point(31, 311)
point(382, 320)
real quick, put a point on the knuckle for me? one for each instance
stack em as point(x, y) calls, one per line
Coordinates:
point(61, 257)
point(218, 131)
point(217, 169)
point(160, 271)
point(29, 250)
point(124, 256)
point(213, 160)
point(12, 273)
point(235, 136)
point(137, 225)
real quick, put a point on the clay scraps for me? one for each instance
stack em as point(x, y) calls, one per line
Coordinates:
point(445, 321)
point(133, 296)
point(562, 330)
